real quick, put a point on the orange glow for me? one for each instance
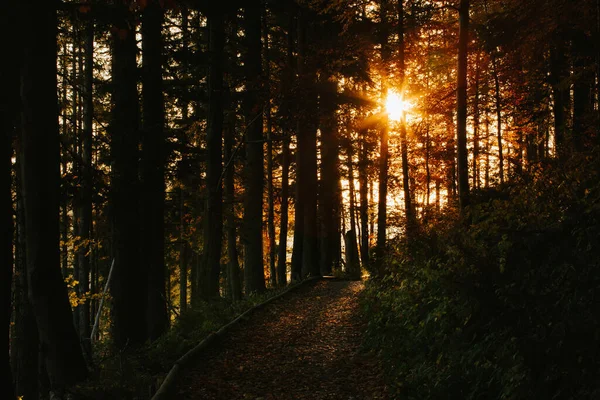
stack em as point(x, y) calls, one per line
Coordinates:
point(396, 106)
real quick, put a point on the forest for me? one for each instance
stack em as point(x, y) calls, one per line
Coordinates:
point(169, 164)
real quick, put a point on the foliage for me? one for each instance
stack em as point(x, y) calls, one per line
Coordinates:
point(503, 306)
point(136, 373)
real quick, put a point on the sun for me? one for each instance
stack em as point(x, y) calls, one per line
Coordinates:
point(396, 106)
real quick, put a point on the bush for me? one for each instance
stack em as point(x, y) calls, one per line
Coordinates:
point(501, 307)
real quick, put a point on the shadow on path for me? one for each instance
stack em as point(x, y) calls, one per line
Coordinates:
point(305, 345)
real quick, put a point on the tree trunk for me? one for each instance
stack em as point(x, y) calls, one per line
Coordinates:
point(233, 267)
point(476, 139)
point(254, 278)
point(408, 206)
point(288, 80)
point(498, 100)
point(329, 174)
point(307, 148)
point(153, 170)
point(383, 150)
point(129, 284)
point(8, 98)
point(208, 275)
point(363, 160)
point(461, 106)
point(59, 342)
point(283, 228)
point(85, 193)
point(270, 194)
point(25, 342)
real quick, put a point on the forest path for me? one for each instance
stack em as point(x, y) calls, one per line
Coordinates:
point(305, 345)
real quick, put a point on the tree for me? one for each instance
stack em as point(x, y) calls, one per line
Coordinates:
point(208, 276)
point(8, 97)
point(253, 112)
point(384, 146)
point(461, 105)
point(129, 286)
point(153, 169)
point(59, 343)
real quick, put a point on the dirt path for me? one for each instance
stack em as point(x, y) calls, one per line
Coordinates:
point(303, 346)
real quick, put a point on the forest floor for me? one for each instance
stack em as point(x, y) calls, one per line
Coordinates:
point(305, 345)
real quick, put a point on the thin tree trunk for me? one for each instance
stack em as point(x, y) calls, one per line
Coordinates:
point(270, 194)
point(364, 201)
point(85, 199)
point(233, 267)
point(283, 229)
point(8, 100)
point(383, 152)
point(183, 257)
point(408, 206)
point(461, 106)
point(498, 100)
point(254, 278)
point(476, 139)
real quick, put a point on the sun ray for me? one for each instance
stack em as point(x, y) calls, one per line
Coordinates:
point(396, 106)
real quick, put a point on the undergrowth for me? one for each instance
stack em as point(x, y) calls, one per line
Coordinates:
point(136, 373)
point(501, 304)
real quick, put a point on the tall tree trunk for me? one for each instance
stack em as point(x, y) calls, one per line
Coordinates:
point(363, 159)
point(329, 174)
point(383, 151)
point(233, 267)
point(476, 123)
point(408, 206)
point(297, 246)
point(59, 342)
point(461, 106)
point(85, 193)
point(208, 275)
point(254, 277)
point(129, 284)
point(307, 148)
point(498, 100)
point(352, 260)
point(8, 98)
point(25, 342)
point(153, 170)
point(283, 228)
point(184, 254)
point(285, 156)
point(270, 194)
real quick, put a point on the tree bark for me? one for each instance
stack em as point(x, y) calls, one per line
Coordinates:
point(307, 148)
point(59, 342)
point(208, 275)
point(254, 278)
point(383, 150)
point(269, 127)
point(8, 98)
point(363, 160)
point(153, 170)
point(85, 193)
point(461, 106)
point(329, 209)
point(129, 284)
